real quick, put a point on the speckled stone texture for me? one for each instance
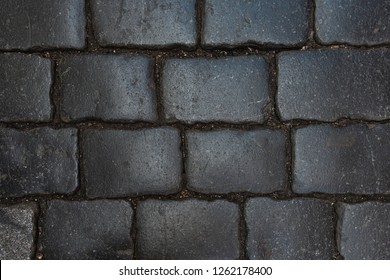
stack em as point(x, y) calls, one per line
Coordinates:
point(327, 85)
point(148, 23)
point(190, 229)
point(98, 229)
point(296, 229)
point(108, 87)
point(236, 161)
point(38, 161)
point(17, 231)
point(120, 163)
point(351, 159)
point(364, 231)
point(25, 82)
point(230, 89)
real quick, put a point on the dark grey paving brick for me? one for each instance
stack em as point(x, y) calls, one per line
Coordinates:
point(98, 229)
point(120, 163)
point(331, 84)
point(236, 22)
point(232, 89)
point(226, 161)
point(364, 231)
point(352, 159)
point(17, 232)
point(42, 24)
point(145, 23)
point(108, 87)
point(295, 229)
point(38, 161)
point(357, 22)
point(25, 87)
point(190, 229)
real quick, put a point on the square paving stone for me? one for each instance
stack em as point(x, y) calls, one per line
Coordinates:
point(146, 23)
point(230, 89)
point(38, 161)
point(47, 24)
point(364, 231)
point(226, 161)
point(17, 231)
point(357, 22)
point(130, 163)
point(296, 229)
point(108, 87)
point(237, 22)
point(25, 82)
point(98, 229)
point(351, 159)
point(190, 229)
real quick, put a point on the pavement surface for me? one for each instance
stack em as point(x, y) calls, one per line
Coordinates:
point(194, 129)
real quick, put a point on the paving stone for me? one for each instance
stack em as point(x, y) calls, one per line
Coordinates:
point(352, 159)
point(98, 229)
point(108, 87)
point(357, 22)
point(364, 231)
point(189, 229)
point(17, 231)
point(296, 229)
point(236, 22)
point(330, 84)
point(25, 87)
point(226, 161)
point(145, 23)
point(38, 161)
point(232, 89)
point(122, 163)
point(41, 24)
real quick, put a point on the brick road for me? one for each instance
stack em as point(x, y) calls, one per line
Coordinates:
point(194, 129)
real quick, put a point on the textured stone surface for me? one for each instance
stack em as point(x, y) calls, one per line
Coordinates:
point(295, 229)
point(235, 161)
point(17, 231)
point(108, 87)
point(331, 84)
point(364, 231)
point(25, 82)
point(358, 22)
point(236, 22)
point(190, 229)
point(352, 159)
point(120, 163)
point(37, 161)
point(145, 23)
point(42, 24)
point(231, 89)
point(98, 229)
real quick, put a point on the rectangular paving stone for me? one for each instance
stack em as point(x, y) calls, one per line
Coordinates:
point(364, 231)
point(148, 23)
point(107, 87)
point(78, 230)
point(38, 161)
point(357, 22)
point(227, 161)
point(297, 229)
point(17, 231)
point(123, 163)
point(351, 159)
point(328, 85)
point(230, 89)
point(237, 22)
point(187, 230)
point(41, 24)
point(25, 87)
